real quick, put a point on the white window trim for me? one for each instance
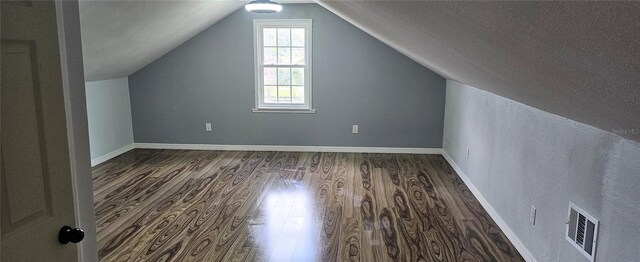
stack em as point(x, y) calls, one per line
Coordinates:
point(260, 106)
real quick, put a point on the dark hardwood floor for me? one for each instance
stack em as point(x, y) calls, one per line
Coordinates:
point(161, 205)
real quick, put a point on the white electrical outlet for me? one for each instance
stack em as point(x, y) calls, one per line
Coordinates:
point(354, 129)
point(207, 127)
point(532, 215)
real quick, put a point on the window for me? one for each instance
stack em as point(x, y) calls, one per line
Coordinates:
point(283, 65)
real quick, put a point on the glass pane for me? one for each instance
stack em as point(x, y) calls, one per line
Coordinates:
point(284, 94)
point(284, 76)
point(271, 94)
point(297, 76)
point(284, 56)
point(284, 37)
point(269, 36)
point(297, 56)
point(297, 36)
point(297, 94)
point(270, 76)
point(270, 56)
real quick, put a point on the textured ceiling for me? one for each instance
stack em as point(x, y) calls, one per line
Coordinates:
point(119, 37)
point(580, 60)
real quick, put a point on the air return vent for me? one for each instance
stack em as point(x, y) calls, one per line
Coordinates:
point(582, 231)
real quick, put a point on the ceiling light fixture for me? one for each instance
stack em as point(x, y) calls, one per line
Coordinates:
point(263, 7)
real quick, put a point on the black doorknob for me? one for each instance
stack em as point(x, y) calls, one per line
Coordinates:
point(68, 234)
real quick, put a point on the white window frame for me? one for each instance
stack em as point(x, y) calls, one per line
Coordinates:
point(260, 106)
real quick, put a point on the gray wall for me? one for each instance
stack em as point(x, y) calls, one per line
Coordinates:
point(521, 156)
point(356, 80)
point(109, 114)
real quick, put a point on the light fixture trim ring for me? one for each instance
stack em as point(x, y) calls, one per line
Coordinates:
point(263, 7)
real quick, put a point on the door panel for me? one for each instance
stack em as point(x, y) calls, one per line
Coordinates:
point(37, 192)
point(28, 197)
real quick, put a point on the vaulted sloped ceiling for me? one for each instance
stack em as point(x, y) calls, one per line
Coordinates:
point(119, 37)
point(580, 60)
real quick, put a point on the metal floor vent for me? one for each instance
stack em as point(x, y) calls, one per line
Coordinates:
point(582, 231)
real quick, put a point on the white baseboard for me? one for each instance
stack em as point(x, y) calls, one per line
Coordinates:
point(98, 160)
point(394, 150)
point(526, 254)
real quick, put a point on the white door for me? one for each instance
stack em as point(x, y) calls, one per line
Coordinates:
point(37, 195)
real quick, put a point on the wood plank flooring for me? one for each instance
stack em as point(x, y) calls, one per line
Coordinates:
point(178, 205)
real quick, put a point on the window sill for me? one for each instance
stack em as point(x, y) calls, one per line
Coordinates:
point(290, 111)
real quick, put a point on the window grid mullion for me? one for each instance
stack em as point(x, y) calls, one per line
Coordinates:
point(277, 68)
point(290, 58)
point(277, 84)
point(291, 46)
point(292, 66)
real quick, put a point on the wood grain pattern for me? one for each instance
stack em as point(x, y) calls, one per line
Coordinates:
point(179, 205)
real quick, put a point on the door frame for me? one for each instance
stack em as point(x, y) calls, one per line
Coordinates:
point(70, 42)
